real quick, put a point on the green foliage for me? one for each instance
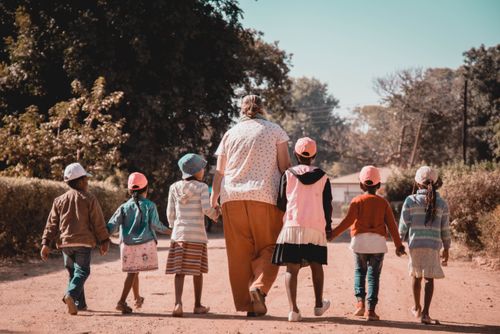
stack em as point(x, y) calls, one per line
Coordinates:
point(400, 184)
point(180, 64)
point(313, 116)
point(481, 69)
point(471, 192)
point(26, 204)
point(80, 129)
point(489, 226)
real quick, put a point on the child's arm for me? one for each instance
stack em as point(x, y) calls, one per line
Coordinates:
point(100, 228)
point(206, 208)
point(327, 208)
point(282, 200)
point(405, 219)
point(347, 221)
point(115, 221)
point(171, 208)
point(390, 221)
point(156, 223)
point(445, 233)
point(50, 231)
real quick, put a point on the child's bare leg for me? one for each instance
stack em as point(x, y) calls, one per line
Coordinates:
point(127, 285)
point(292, 271)
point(318, 279)
point(429, 291)
point(179, 287)
point(135, 287)
point(198, 287)
point(417, 286)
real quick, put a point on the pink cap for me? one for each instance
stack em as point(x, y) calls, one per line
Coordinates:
point(305, 147)
point(369, 173)
point(137, 181)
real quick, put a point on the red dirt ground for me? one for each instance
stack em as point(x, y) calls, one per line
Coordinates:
point(466, 301)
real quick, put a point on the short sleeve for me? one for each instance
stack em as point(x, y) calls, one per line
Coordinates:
point(281, 136)
point(222, 150)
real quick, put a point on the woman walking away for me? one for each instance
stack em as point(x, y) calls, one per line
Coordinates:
point(137, 220)
point(425, 217)
point(306, 197)
point(250, 160)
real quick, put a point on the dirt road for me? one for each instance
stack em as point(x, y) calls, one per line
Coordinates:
point(466, 301)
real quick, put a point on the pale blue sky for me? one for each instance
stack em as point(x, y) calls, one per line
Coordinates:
point(348, 43)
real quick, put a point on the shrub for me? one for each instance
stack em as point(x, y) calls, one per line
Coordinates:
point(400, 184)
point(26, 204)
point(489, 226)
point(471, 193)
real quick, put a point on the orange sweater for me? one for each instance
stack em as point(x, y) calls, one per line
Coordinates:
point(369, 213)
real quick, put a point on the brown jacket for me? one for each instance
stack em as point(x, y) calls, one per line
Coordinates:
point(75, 219)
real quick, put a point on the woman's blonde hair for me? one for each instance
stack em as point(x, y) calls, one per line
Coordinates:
point(251, 105)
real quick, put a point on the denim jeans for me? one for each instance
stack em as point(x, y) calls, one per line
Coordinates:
point(77, 262)
point(371, 265)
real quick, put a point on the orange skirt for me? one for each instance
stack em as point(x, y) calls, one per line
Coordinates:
point(187, 258)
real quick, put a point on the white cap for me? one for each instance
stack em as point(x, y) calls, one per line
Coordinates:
point(74, 171)
point(426, 173)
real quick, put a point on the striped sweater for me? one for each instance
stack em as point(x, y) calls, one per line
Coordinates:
point(188, 203)
point(436, 234)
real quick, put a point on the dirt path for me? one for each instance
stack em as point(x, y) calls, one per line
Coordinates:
point(30, 299)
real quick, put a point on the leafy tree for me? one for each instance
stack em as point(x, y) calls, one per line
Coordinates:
point(312, 115)
point(482, 68)
point(180, 65)
point(80, 129)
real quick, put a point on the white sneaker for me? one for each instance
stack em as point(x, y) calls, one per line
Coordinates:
point(318, 311)
point(294, 316)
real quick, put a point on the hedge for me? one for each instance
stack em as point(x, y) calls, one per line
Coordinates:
point(25, 204)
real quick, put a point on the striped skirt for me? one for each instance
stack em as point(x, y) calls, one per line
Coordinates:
point(187, 258)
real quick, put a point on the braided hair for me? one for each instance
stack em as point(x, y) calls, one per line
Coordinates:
point(136, 193)
point(430, 199)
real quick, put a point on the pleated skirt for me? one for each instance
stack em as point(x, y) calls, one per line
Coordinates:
point(187, 258)
point(300, 245)
point(425, 262)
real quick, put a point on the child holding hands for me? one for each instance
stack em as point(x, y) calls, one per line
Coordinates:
point(137, 220)
point(370, 217)
point(77, 222)
point(188, 203)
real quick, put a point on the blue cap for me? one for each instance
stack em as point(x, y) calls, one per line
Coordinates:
point(191, 164)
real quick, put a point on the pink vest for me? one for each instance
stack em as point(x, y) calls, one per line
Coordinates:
point(305, 202)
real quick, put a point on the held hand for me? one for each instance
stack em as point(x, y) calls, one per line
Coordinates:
point(329, 235)
point(400, 251)
point(104, 247)
point(444, 257)
point(214, 201)
point(44, 253)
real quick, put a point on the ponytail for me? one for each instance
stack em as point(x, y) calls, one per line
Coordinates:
point(135, 196)
point(251, 106)
point(430, 203)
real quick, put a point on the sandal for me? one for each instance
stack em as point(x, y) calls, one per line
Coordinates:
point(201, 310)
point(177, 312)
point(416, 311)
point(138, 302)
point(258, 301)
point(123, 307)
point(426, 319)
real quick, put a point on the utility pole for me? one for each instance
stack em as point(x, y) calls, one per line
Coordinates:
point(417, 139)
point(464, 126)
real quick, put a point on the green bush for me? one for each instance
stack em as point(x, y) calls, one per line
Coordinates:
point(489, 226)
point(400, 184)
point(471, 193)
point(25, 204)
